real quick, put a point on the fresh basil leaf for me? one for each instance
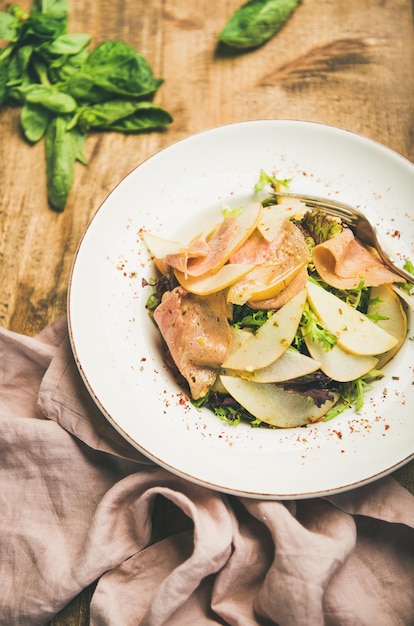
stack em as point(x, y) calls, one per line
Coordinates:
point(255, 22)
point(50, 98)
point(9, 27)
point(54, 8)
point(61, 152)
point(113, 68)
point(65, 91)
point(40, 28)
point(79, 140)
point(66, 44)
point(123, 116)
point(147, 117)
point(63, 67)
point(34, 120)
point(19, 64)
point(18, 13)
point(4, 77)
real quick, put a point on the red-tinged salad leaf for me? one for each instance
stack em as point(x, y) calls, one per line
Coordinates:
point(227, 409)
point(316, 386)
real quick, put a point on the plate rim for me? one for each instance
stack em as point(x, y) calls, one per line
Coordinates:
point(84, 374)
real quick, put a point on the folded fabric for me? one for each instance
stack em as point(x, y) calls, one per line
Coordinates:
point(77, 504)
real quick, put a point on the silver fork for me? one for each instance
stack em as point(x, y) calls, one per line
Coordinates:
point(357, 222)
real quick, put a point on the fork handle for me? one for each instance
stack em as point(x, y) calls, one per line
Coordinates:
point(406, 276)
point(387, 260)
point(346, 213)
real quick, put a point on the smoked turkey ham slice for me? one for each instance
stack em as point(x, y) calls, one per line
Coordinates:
point(208, 252)
point(343, 263)
point(288, 249)
point(294, 287)
point(197, 334)
point(197, 248)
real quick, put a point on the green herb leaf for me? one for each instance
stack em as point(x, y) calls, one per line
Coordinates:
point(19, 64)
point(352, 394)
point(4, 76)
point(311, 325)
point(127, 116)
point(61, 68)
point(50, 98)
point(9, 27)
point(61, 150)
point(321, 226)
point(40, 27)
point(268, 180)
point(358, 297)
point(409, 266)
point(113, 69)
point(408, 287)
point(67, 44)
point(255, 22)
point(34, 120)
point(245, 317)
point(65, 91)
point(54, 8)
point(79, 139)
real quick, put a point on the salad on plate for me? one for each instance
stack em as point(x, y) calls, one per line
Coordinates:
point(276, 314)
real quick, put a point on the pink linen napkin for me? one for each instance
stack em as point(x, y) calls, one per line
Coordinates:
point(77, 504)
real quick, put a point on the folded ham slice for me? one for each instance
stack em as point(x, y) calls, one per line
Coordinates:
point(343, 263)
point(197, 334)
point(288, 250)
point(208, 252)
point(282, 298)
point(198, 247)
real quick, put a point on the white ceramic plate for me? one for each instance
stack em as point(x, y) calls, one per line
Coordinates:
point(118, 349)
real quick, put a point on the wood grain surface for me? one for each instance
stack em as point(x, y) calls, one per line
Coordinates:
point(348, 64)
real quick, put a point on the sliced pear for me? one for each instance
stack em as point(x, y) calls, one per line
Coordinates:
point(271, 340)
point(160, 247)
point(228, 237)
point(211, 283)
point(292, 364)
point(338, 364)
point(404, 296)
point(355, 332)
point(262, 283)
point(273, 405)
point(239, 337)
point(274, 215)
point(387, 304)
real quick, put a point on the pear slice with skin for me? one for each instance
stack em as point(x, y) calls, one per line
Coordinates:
point(271, 340)
point(211, 283)
point(274, 215)
point(338, 364)
point(264, 282)
point(271, 404)
point(292, 364)
point(230, 235)
point(385, 302)
point(355, 332)
point(239, 337)
point(160, 247)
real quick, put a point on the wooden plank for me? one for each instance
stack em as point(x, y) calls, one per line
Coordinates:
point(348, 64)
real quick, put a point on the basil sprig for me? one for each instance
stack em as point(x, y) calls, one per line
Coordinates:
point(65, 91)
point(255, 22)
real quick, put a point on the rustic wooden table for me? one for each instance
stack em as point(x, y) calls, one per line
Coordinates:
point(348, 64)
